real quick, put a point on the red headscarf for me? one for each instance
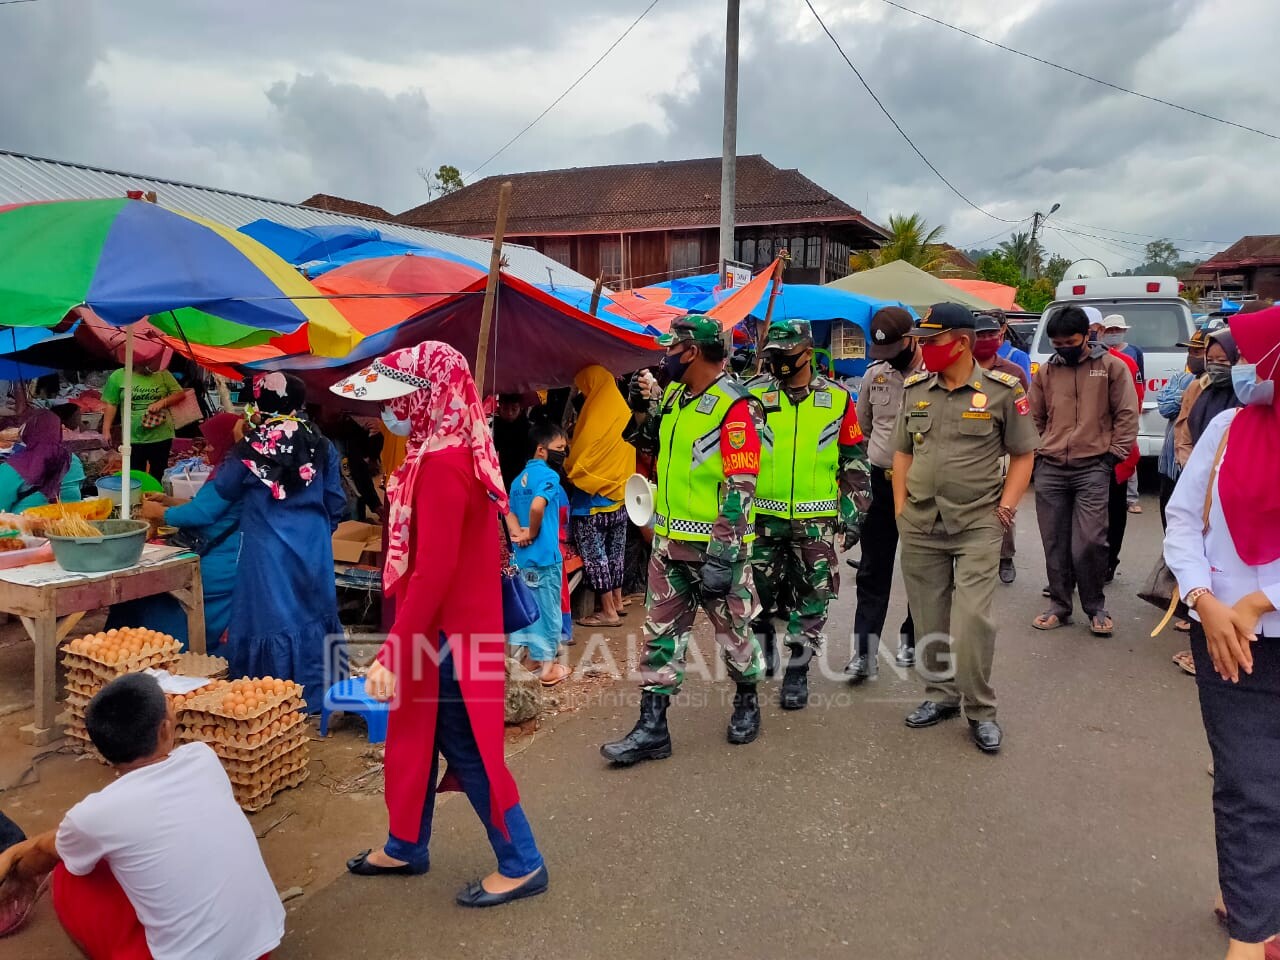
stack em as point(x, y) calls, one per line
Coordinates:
point(1247, 483)
point(219, 437)
point(445, 414)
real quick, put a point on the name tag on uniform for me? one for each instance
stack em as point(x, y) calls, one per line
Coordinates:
point(918, 413)
point(976, 415)
point(1097, 373)
point(708, 403)
point(822, 399)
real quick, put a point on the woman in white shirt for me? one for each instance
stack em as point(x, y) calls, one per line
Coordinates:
point(1228, 572)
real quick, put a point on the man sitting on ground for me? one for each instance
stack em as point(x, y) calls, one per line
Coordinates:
point(161, 863)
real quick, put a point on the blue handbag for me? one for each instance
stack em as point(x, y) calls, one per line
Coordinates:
point(519, 606)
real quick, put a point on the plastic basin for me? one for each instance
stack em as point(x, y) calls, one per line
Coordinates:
point(119, 547)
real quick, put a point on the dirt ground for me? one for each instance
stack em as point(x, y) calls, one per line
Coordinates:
point(306, 834)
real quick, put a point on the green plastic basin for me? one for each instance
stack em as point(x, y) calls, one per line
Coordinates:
point(119, 546)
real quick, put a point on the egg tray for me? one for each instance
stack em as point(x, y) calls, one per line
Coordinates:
point(201, 665)
point(284, 756)
point(225, 743)
point(84, 683)
point(212, 704)
point(197, 713)
point(105, 672)
point(256, 796)
point(80, 742)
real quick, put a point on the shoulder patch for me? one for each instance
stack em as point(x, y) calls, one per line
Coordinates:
point(915, 378)
point(1008, 379)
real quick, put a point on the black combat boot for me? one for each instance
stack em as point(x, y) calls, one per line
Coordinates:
point(795, 686)
point(744, 725)
point(649, 739)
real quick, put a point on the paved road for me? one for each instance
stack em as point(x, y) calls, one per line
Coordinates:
point(843, 833)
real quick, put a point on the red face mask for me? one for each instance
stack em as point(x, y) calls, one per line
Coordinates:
point(938, 356)
point(984, 348)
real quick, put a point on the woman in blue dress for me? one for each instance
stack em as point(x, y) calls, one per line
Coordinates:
point(286, 475)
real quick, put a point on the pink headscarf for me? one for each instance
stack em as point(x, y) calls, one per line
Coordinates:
point(1247, 479)
point(446, 414)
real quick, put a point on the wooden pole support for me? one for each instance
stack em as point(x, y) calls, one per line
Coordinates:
point(491, 289)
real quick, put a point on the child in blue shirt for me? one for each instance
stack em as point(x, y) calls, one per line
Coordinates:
point(537, 500)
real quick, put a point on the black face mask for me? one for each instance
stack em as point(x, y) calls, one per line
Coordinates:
point(901, 361)
point(555, 459)
point(784, 366)
point(1070, 355)
point(1219, 373)
point(674, 367)
point(1195, 364)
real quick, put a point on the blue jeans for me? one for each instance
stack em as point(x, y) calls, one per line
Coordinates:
point(517, 856)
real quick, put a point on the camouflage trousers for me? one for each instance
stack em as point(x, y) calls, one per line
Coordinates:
point(797, 575)
point(673, 601)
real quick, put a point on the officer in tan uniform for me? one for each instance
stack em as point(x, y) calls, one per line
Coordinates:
point(953, 505)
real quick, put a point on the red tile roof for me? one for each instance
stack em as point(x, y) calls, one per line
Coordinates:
point(352, 208)
point(1255, 251)
point(680, 194)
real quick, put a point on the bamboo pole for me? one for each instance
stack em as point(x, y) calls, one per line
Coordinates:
point(491, 289)
point(595, 294)
point(762, 331)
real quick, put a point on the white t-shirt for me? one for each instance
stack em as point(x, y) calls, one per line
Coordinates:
point(184, 854)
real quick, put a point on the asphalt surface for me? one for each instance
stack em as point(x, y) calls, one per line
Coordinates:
point(841, 832)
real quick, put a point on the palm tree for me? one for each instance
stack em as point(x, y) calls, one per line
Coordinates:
point(910, 239)
point(1018, 250)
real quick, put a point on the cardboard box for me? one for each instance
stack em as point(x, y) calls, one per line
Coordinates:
point(353, 539)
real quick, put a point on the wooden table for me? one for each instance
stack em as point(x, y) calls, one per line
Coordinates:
point(50, 602)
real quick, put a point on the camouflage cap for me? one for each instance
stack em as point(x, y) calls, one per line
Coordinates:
point(788, 335)
point(694, 328)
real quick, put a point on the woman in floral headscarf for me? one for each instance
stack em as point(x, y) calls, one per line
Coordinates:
point(442, 664)
point(289, 480)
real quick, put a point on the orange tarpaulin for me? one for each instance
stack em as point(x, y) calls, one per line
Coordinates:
point(996, 294)
point(735, 308)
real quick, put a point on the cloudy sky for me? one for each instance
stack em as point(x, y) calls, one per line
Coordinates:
point(285, 99)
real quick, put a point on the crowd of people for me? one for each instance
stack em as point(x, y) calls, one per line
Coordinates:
point(762, 478)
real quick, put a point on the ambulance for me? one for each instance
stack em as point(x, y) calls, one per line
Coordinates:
point(1159, 319)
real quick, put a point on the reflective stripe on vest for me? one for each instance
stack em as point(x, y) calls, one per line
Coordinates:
point(800, 458)
point(690, 467)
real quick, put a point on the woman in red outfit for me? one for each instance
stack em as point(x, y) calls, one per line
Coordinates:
point(442, 664)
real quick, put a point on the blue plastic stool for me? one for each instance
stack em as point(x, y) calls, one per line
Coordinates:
point(348, 696)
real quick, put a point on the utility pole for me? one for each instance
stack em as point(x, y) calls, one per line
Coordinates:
point(1038, 219)
point(729, 155)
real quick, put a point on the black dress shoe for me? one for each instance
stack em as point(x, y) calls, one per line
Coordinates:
point(861, 668)
point(475, 895)
point(929, 713)
point(906, 655)
point(361, 867)
point(1008, 573)
point(987, 735)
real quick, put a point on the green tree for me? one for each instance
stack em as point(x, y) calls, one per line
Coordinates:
point(1162, 256)
point(1035, 295)
point(911, 239)
point(1019, 249)
point(1056, 268)
point(443, 182)
point(998, 268)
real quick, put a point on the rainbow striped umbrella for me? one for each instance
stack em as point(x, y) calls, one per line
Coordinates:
point(129, 259)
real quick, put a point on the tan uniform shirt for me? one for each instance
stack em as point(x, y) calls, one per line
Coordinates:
point(879, 403)
point(956, 439)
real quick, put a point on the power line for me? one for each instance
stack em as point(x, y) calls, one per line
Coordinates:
point(1001, 233)
point(883, 109)
point(5, 3)
point(1077, 73)
point(568, 90)
point(1110, 248)
point(1131, 243)
point(1149, 236)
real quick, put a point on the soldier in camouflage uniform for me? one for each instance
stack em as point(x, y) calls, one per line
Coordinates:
point(814, 486)
point(705, 433)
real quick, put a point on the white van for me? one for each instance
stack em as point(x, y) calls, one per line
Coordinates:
point(1158, 320)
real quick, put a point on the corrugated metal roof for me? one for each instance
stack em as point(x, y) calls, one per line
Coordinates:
point(25, 178)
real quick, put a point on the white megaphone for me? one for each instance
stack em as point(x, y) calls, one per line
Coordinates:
point(639, 494)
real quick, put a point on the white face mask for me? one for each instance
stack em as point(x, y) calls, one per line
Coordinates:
point(401, 428)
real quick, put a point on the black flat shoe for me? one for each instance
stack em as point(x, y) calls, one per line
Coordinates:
point(929, 713)
point(987, 735)
point(361, 867)
point(1008, 572)
point(475, 895)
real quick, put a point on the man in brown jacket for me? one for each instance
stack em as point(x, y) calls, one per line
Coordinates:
point(1085, 407)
